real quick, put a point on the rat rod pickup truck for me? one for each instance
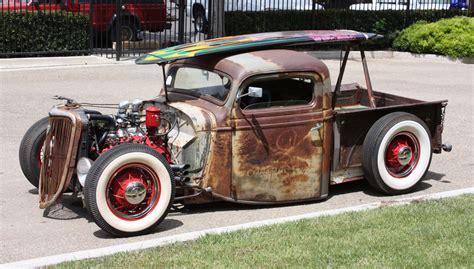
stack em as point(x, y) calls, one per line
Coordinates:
point(238, 119)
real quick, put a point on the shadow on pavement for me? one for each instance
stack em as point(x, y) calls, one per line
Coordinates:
point(215, 207)
point(423, 185)
point(350, 187)
point(71, 207)
point(68, 208)
point(33, 191)
point(436, 176)
point(167, 224)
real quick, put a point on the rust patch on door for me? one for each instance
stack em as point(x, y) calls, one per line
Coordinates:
point(274, 164)
point(218, 173)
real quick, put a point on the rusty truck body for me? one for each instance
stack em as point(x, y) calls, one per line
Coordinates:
point(239, 119)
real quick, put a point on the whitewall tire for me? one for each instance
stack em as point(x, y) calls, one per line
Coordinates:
point(129, 190)
point(397, 153)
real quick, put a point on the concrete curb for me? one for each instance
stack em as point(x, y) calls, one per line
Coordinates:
point(386, 54)
point(106, 251)
point(39, 63)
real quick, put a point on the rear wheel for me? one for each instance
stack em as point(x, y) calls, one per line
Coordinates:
point(129, 190)
point(397, 153)
point(200, 22)
point(30, 153)
point(128, 31)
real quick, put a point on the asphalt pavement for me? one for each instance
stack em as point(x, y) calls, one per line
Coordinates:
point(26, 88)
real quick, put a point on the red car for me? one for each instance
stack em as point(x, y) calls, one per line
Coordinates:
point(136, 15)
point(15, 6)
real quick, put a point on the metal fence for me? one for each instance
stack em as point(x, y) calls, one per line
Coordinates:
point(144, 25)
point(280, 5)
point(21, 35)
point(115, 28)
point(122, 28)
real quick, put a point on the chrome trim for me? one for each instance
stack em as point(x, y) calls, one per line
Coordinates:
point(135, 192)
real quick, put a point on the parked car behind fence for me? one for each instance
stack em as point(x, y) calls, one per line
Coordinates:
point(198, 10)
point(133, 21)
point(409, 5)
point(134, 15)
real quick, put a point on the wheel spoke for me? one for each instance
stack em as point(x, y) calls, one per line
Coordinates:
point(402, 154)
point(133, 191)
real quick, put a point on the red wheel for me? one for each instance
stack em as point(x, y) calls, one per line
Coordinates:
point(397, 153)
point(402, 154)
point(133, 191)
point(129, 190)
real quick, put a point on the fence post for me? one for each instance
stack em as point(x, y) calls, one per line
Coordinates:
point(181, 21)
point(118, 29)
point(91, 29)
point(407, 14)
point(217, 18)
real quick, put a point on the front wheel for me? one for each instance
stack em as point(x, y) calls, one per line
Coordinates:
point(129, 190)
point(396, 153)
point(30, 153)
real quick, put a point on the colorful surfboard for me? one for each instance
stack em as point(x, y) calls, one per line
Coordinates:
point(252, 42)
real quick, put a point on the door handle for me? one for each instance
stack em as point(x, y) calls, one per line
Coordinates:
point(317, 127)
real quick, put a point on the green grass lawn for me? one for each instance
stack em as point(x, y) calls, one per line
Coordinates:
point(437, 234)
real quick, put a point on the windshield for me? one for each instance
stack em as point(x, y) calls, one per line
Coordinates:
point(199, 82)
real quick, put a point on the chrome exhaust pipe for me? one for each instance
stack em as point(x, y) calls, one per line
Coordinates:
point(179, 167)
point(447, 147)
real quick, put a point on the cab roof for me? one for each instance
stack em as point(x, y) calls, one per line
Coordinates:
point(243, 65)
point(253, 42)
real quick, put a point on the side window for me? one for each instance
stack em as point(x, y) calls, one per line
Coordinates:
point(279, 92)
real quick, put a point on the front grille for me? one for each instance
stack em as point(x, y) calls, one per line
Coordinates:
point(59, 158)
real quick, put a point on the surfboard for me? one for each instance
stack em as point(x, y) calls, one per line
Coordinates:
point(251, 42)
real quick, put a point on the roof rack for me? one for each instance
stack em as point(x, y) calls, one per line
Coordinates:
point(252, 42)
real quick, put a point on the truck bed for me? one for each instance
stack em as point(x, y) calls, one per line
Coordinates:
point(354, 117)
point(354, 97)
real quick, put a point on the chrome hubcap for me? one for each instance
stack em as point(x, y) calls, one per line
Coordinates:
point(199, 24)
point(404, 155)
point(135, 192)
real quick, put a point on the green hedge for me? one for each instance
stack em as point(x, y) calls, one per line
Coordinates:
point(452, 37)
point(388, 23)
point(31, 33)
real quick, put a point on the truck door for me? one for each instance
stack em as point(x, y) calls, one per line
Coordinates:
point(277, 141)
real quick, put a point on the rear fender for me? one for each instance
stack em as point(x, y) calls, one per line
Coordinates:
point(351, 127)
